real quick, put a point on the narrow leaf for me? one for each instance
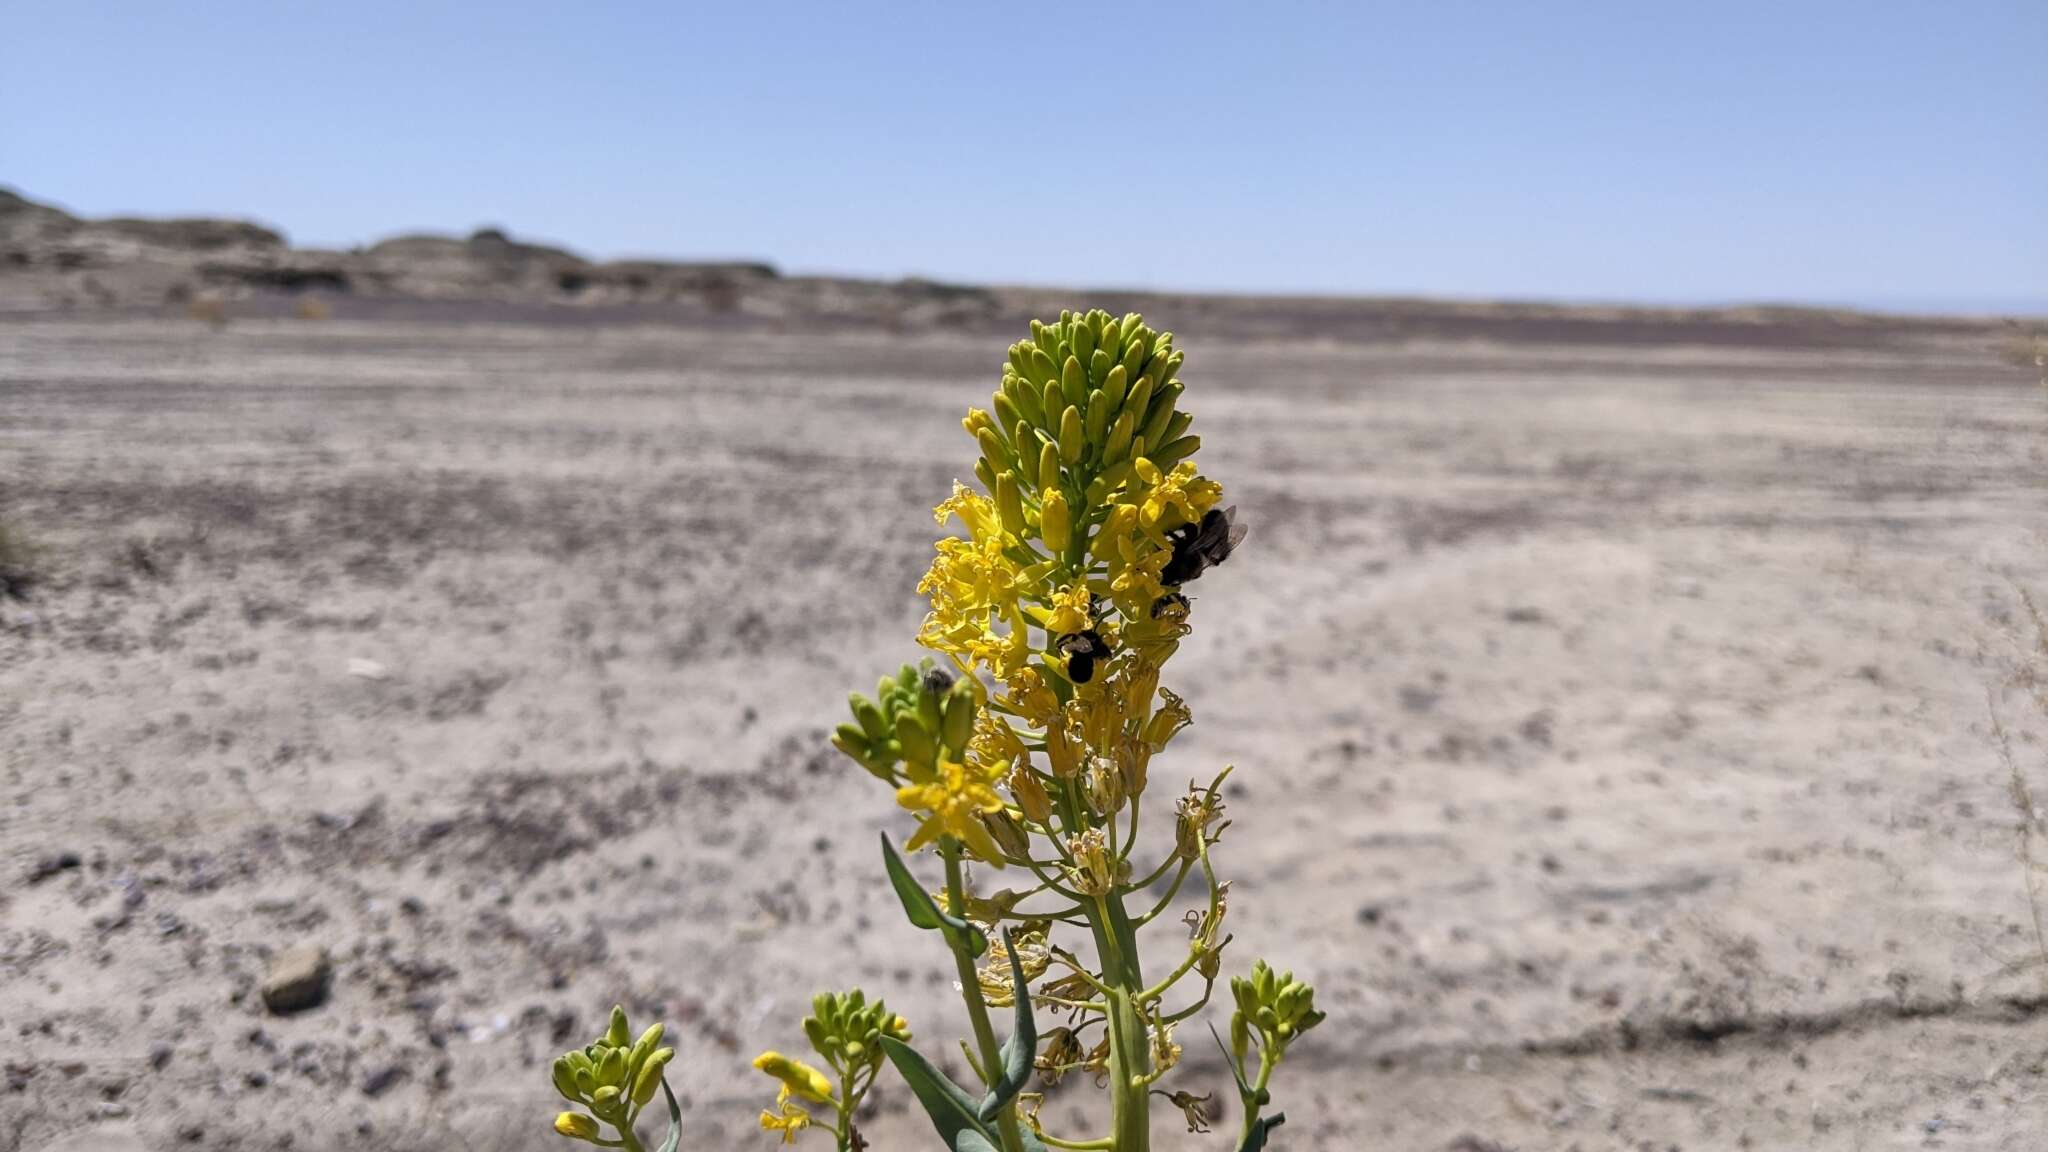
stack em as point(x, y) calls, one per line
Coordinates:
point(1244, 1090)
point(1255, 1140)
point(924, 912)
point(950, 1107)
point(1020, 1048)
point(675, 1119)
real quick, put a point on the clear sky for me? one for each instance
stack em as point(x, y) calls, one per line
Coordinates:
point(1878, 152)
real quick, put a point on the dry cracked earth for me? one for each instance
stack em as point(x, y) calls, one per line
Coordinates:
point(1612, 722)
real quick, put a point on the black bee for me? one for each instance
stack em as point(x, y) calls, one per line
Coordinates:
point(1198, 547)
point(937, 680)
point(1082, 649)
point(1172, 607)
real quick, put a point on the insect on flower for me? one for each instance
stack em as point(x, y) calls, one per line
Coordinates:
point(1082, 649)
point(1197, 548)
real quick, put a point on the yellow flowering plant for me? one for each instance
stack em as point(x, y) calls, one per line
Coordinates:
point(1027, 750)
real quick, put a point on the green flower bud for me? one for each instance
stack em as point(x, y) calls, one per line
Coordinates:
point(617, 1035)
point(1073, 382)
point(565, 1078)
point(1072, 436)
point(1049, 465)
point(649, 1077)
point(576, 1126)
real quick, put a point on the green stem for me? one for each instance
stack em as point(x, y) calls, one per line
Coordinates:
point(1251, 1104)
point(970, 991)
point(1130, 1048)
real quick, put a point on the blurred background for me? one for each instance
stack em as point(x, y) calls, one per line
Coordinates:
point(455, 461)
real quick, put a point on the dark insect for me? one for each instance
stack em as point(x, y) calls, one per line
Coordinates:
point(1197, 548)
point(937, 681)
point(1171, 607)
point(1082, 649)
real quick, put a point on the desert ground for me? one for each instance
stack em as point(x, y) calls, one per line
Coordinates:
point(1611, 705)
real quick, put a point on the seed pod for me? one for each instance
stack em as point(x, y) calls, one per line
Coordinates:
point(1072, 437)
point(1030, 794)
point(1007, 833)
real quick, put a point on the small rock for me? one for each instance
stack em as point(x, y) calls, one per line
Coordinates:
point(367, 669)
point(297, 980)
point(160, 1056)
point(381, 1080)
point(53, 864)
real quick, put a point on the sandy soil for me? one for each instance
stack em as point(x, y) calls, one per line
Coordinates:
point(1611, 725)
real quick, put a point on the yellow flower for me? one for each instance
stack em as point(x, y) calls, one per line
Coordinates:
point(1180, 493)
point(949, 804)
point(787, 1118)
point(796, 1076)
point(1070, 610)
point(1030, 697)
point(975, 511)
point(576, 1126)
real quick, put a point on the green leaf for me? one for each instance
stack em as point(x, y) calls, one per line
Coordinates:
point(675, 1119)
point(1244, 1090)
point(951, 1109)
point(1255, 1140)
point(924, 912)
point(1019, 1049)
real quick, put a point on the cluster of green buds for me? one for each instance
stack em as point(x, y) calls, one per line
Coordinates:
point(847, 1033)
point(614, 1077)
point(1089, 392)
point(1273, 1010)
point(916, 714)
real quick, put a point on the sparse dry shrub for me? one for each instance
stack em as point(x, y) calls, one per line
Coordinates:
point(312, 308)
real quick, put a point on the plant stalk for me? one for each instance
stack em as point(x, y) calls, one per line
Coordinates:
point(970, 991)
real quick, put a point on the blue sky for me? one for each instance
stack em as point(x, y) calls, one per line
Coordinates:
point(1874, 152)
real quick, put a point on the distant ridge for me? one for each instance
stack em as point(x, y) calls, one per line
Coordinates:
point(51, 260)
